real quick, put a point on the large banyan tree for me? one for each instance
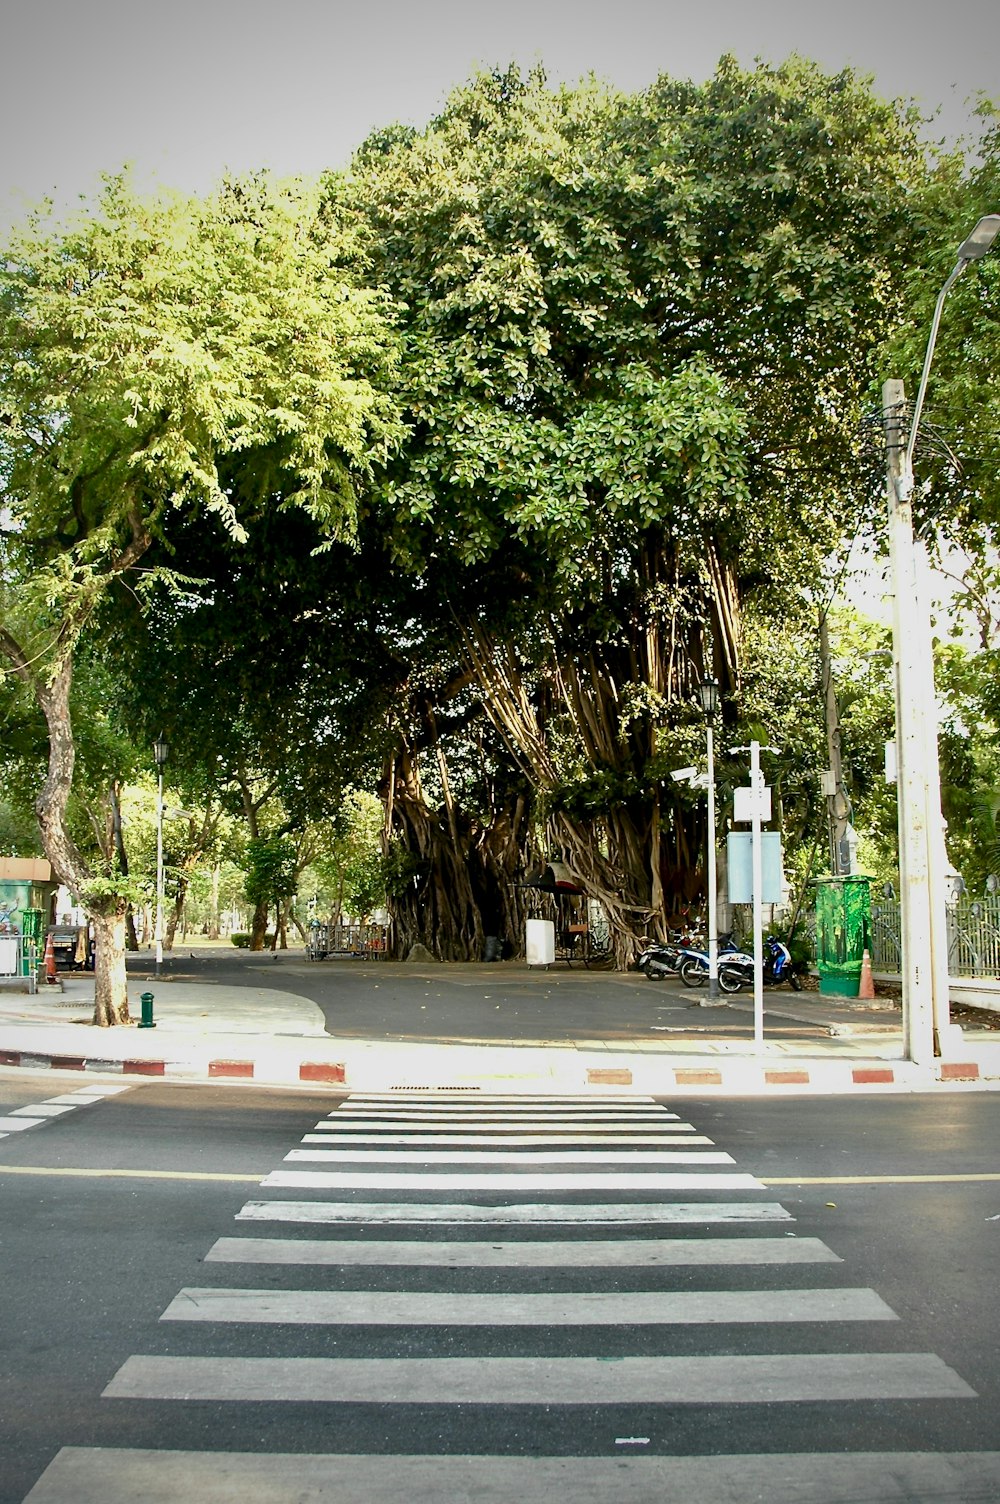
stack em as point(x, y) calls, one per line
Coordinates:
point(638, 332)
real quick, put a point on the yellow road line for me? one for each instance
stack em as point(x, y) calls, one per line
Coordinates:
point(128, 1174)
point(874, 1179)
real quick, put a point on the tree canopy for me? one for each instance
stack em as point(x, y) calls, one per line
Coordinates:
point(158, 358)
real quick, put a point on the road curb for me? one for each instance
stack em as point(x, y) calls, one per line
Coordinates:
point(565, 1070)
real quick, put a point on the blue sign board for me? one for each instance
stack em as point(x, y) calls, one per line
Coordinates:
point(739, 846)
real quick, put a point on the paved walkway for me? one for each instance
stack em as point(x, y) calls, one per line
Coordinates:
point(380, 1026)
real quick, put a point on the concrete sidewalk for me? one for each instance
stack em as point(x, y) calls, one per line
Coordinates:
point(255, 1031)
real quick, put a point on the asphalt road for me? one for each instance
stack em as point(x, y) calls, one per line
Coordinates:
point(109, 1209)
point(490, 1004)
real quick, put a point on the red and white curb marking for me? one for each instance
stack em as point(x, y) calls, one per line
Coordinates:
point(320, 1071)
point(733, 1076)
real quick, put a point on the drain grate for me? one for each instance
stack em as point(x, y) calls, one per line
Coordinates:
point(435, 1088)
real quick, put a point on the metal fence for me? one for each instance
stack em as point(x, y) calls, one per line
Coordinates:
point(368, 941)
point(973, 937)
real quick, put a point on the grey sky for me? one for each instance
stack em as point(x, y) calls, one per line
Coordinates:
point(188, 90)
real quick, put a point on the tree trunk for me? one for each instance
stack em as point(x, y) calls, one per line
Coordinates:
point(436, 908)
point(464, 883)
point(213, 923)
point(110, 979)
point(108, 913)
point(258, 926)
point(121, 855)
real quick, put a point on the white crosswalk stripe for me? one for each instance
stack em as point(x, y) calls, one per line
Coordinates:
point(211, 1477)
point(590, 1254)
point(733, 1379)
point(491, 1157)
point(524, 1213)
point(496, 1180)
point(415, 1308)
point(559, 1223)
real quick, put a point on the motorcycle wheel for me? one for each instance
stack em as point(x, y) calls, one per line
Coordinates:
point(793, 982)
point(730, 980)
point(692, 973)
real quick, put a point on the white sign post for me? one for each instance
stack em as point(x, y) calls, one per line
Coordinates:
point(754, 804)
point(757, 784)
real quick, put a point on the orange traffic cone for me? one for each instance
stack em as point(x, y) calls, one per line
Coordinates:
point(50, 960)
point(867, 988)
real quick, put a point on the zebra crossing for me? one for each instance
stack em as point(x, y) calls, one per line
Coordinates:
point(454, 1274)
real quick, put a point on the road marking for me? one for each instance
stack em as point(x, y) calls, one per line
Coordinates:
point(327, 1133)
point(45, 1110)
point(733, 1379)
point(104, 1174)
point(520, 1157)
point(87, 1095)
point(631, 1212)
point(879, 1179)
point(650, 1180)
point(120, 1475)
point(367, 1117)
point(404, 1308)
point(590, 1253)
point(38, 1113)
point(477, 1098)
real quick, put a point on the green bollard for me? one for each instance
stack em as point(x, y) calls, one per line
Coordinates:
point(147, 1011)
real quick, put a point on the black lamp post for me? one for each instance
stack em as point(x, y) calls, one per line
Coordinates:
point(160, 754)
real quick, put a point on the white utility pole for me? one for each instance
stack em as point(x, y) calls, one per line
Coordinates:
point(914, 687)
point(922, 858)
point(756, 801)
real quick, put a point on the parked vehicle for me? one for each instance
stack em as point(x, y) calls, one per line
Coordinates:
point(693, 965)
point(661, 958)
point(680, 957)
point(736, 971)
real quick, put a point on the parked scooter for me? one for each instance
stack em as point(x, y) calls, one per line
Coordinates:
point(692, 967)
point(680, 957)
point(736, 971)
point(661, 958)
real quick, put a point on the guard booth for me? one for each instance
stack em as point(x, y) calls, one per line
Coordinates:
point(27, 896)
point(843, 933)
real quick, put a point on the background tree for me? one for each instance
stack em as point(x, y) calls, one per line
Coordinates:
point(141, 350)
point(638, 333)
point(272, 875)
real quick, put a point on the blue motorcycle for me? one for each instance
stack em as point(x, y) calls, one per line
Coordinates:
point(736, 971)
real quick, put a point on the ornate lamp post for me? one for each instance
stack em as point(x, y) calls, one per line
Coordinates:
point(708, 695)
point(160, 753)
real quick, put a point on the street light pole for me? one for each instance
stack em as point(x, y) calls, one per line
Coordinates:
point(160, 753)
point(708, 694)
point(922, 857)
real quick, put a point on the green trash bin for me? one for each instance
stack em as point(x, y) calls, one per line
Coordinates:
point(843, 933)
point(31, 949)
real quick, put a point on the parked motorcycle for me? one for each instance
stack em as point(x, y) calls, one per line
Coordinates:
point(680, 957)
point(736, 971)
point(692, 968)
point(660, 958)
